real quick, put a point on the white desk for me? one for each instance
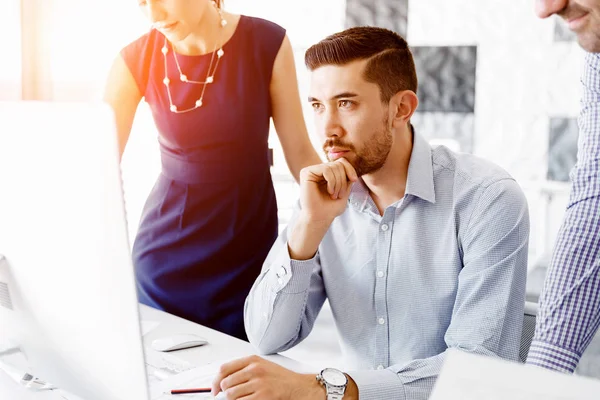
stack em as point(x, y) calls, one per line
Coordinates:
point(472, 374)
point(220, 347)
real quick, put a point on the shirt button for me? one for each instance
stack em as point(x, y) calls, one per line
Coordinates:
point(380, 274)
point(381, 321)
point(282, 272)
point(384, 227)
point(280, 281)
point(380, 367)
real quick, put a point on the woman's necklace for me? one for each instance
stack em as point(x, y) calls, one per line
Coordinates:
point(210, 73)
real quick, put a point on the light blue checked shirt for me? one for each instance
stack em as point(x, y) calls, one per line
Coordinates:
point(443, 267)
point(569, 312)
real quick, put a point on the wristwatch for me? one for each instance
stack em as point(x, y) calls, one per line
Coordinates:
point(335, 382)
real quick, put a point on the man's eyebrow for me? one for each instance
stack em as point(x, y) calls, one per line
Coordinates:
point(343, 95)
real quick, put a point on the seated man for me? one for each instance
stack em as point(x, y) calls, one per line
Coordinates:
point(418, 249)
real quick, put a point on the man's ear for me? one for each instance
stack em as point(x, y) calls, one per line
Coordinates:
point(404, 104)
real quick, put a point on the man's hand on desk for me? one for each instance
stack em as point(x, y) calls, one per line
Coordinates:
point(256, 378)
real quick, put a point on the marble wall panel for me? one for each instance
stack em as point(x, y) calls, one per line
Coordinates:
point(562, 148)
point(390, 14)
point(454, 130)
point(446, 78)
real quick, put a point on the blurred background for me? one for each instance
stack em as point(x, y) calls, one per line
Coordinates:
point(495, 81)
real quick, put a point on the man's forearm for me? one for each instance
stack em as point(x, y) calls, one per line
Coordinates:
point(569, 302)
point(305, 237)
point(351, 390)
point(316, 391)
point(277, 304)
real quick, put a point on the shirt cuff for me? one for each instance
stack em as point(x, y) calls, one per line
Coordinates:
point(377, 385)
point(290, 276)
point(552, 357)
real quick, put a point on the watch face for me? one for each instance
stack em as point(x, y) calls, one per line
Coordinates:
point(334, 377)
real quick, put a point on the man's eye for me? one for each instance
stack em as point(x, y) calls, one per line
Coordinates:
point(316, 106)
point(345, 103)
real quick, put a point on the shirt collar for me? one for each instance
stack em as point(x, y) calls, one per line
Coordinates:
point(419, 181)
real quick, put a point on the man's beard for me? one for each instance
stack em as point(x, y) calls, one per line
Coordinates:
point(589, 39)
point(373, 154)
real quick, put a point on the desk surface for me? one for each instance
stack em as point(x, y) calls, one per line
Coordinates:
point(220, 347)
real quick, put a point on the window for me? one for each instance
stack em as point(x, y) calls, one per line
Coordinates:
point(10, 67)
point(83, 38)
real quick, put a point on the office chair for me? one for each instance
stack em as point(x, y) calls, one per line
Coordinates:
point(528, 329)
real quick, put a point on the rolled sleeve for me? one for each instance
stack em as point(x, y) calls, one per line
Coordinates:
point(553, 357)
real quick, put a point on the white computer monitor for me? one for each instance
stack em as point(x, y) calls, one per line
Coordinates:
point(67, 288)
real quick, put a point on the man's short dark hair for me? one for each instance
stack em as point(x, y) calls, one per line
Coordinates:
point(390, 66)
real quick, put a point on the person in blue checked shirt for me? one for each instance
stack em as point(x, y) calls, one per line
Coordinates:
point(569, 310)
point(417, 249)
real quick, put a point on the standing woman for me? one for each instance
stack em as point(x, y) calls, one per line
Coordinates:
point(213, 80)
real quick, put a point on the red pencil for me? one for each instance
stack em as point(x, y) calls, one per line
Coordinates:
point(191, 390)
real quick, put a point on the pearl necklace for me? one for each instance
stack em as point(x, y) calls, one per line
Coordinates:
point(210, 73)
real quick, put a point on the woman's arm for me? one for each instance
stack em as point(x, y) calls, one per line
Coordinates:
point(287, 113)
point(122, 94)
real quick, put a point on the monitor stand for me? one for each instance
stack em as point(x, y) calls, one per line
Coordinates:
point(14, 364)
point(12, 359)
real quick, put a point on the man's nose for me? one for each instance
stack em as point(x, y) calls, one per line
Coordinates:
point(546, 8)
point(331, 124)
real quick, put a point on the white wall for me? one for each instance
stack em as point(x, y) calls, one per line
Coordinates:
point(523, 78)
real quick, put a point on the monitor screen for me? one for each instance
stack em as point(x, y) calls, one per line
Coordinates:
point(67, 289)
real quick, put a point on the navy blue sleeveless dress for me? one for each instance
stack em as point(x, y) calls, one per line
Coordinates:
point(211, 218)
